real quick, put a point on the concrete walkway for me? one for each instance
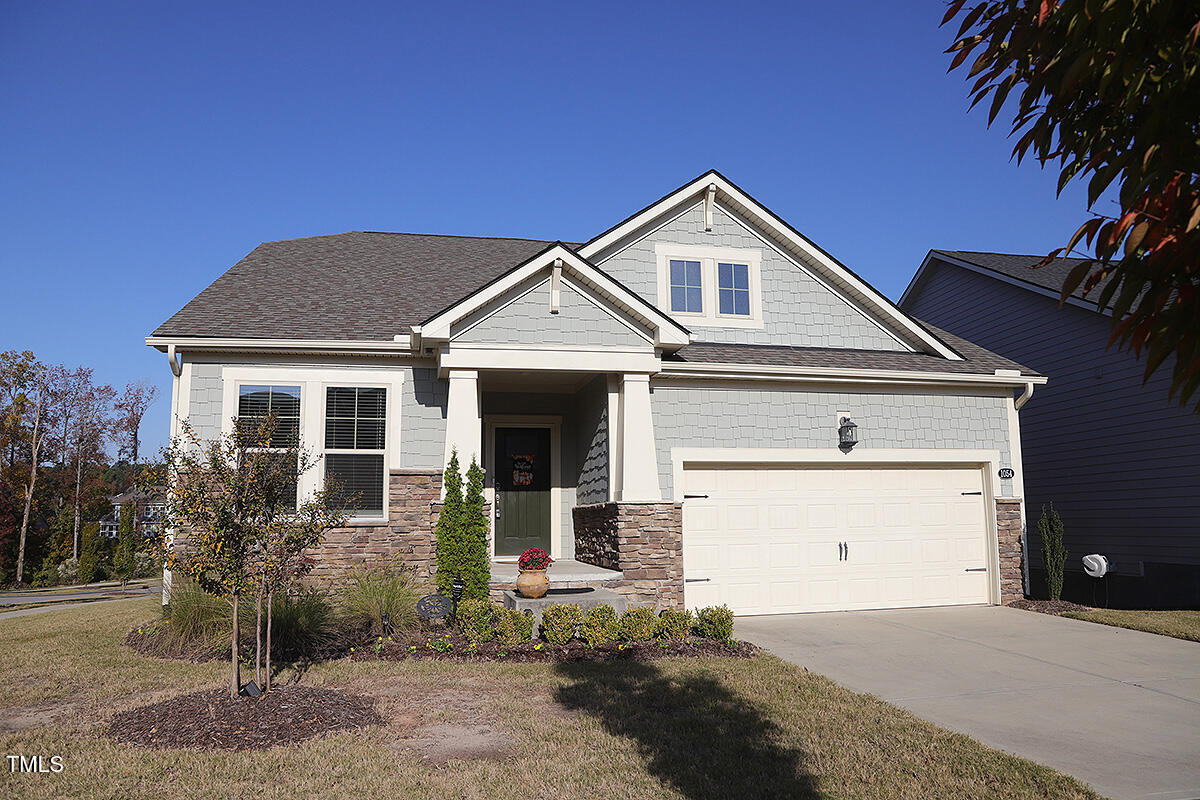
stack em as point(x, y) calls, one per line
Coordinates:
point(1118, 709)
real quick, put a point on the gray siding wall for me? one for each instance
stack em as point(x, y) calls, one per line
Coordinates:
point(798, 310)
point(592, 417)
point(423, 404)
point(527, 320)
point(708, 415)
point(1120, 462)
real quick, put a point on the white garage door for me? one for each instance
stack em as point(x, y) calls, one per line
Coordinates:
point(777, 540)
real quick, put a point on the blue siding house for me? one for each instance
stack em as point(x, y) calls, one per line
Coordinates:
point(1119, 460)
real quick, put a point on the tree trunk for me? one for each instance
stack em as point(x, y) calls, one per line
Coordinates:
point(35, 444)
point(270, 605)
point(258, 636)
point(78, 483)
point(235, 674)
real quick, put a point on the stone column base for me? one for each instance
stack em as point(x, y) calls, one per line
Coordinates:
point(1008, 541)
point(642, 540)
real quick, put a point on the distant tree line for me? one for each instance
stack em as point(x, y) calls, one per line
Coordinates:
point(57, 425)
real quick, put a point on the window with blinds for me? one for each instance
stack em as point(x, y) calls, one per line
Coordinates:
point(255, 403)
point(355, 440)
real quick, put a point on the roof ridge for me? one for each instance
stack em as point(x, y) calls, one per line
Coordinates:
point(1014, 255)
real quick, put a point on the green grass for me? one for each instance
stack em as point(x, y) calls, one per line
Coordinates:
point(680, 728)
point(1180, 624)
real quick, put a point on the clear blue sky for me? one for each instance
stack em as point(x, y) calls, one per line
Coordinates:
point(145, 148)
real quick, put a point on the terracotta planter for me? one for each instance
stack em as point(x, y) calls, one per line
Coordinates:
point(532, 583)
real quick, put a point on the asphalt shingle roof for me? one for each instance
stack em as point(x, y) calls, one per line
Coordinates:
point(1020, 267)
point(360, 285)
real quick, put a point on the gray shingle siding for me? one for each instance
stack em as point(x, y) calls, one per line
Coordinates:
point(797, 309)
point(1120, 462)
point(592, 418)
point(524, 317)
point(709, 415)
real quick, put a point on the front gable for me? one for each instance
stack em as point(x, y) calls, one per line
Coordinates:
point(805, 297)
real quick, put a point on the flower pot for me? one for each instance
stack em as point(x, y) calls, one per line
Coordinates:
point(532, 583)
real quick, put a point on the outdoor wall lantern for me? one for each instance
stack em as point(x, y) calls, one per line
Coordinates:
point(847, 435)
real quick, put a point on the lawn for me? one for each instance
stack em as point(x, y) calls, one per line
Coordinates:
point(1180, 624)
point(705, 729)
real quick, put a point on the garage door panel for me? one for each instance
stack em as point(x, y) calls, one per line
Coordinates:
point(769, 540)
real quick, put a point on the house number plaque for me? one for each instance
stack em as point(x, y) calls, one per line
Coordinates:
point(1006, 474)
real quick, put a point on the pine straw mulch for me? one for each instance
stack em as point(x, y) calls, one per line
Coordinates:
point(536, 652)
point(213, 720)
point(1055, 607)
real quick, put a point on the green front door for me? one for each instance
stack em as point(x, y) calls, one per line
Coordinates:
point(522, 483)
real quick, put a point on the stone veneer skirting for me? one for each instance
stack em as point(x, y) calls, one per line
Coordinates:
point(1008, 542)
point(642, 540)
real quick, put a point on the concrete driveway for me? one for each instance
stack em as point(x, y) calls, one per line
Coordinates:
point(1118, 709)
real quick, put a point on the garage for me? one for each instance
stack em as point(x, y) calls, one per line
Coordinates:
point(783, 539)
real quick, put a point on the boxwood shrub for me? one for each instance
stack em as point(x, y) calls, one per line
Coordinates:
point(638, 624)
point(513, 627)
point(477, 620)
point(560, 621)
point(715, 622)
point(674, 624)
point(600, 626)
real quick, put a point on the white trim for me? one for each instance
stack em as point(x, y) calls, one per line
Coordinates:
point(639, 463)
point(313, 382)
point(667, 331)
point(400, 346)
point(802, 246)
point(545, 421)
point(988, 461)
point(614, 437)
point(766, 372)
point(709, 257)
point(1087, 305)
point(543, 358)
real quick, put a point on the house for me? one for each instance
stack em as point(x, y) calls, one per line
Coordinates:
point(697, 406)
point(148, 509)
point(1119, 460)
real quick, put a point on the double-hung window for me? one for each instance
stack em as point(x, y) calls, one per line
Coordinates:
point(733, 289)
point(355, 444)
point(255, 403)
point(687, 288)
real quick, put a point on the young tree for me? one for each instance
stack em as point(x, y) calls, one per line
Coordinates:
point(123, 559)
point(89, 553)
point(131, 407)
point(474, 561)
point(226, 495)
point(1108, 90)
point(448, 547)
point(1054, 552)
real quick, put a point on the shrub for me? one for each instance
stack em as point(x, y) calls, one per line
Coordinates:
point(715, 622)
point(560, 621)
point(448, 544)
point(475, 565)
point(89, 553)
point(638, 624)
point(1054, 552)
point(192, 616)
point(477, 620)
point(123, 564)
point(600, 626)
point(303, 625)
point(513, 627)
point(145, 565)
point(378, 589)
point(674, 624)
point(68, 571)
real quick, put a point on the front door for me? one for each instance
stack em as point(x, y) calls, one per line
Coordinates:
point(522, 483)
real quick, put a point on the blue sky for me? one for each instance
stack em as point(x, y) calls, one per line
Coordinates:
point(145, 148)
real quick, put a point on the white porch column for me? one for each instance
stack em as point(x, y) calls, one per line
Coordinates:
point(639, 466)
point(463, 429)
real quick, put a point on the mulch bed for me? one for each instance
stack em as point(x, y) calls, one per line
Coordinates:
point(543, 652)
point(1055, 607)
point(213, 720)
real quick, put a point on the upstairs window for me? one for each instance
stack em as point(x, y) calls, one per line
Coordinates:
point(687, 289)
point(355, 443)
point(733, 289)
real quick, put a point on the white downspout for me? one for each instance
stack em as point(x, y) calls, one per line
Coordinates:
point(1025, 395)
point(173, 360)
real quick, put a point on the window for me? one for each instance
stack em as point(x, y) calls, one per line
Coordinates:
point(686, 287)
point(254, 403)
point(355, 439)
point(733, 289)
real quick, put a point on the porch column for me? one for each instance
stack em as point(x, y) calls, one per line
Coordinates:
point(463, 429)
point(639, 466)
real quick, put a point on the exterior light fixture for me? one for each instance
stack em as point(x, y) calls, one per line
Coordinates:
point(385, 622)
point(847, 435)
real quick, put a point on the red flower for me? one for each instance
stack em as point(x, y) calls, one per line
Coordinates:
point(534, 558)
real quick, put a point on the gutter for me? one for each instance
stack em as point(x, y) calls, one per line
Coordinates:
point(1025, 395)
point(827, 374)
point(401, 345)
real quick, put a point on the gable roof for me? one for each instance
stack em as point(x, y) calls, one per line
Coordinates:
point(328, 287)
point(1017, 269)
point(791, 241)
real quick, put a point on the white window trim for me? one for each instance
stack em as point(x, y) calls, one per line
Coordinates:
point(709, 257)
point(313, 382)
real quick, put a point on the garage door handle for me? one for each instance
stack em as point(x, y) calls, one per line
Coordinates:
point(695, 497)
point(976, 569)
point(965, 493)
point(696, 580)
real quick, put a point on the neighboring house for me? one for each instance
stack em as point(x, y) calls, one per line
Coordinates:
point(659, 407)
point(148, 509)
point(1118, 458)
